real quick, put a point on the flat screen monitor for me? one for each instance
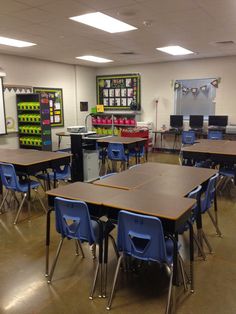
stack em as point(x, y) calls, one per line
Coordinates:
point(196, 121)
point(218, 120)
point(176, 121)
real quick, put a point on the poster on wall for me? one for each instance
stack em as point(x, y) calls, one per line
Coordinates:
point(55, 97)
point(119, 92)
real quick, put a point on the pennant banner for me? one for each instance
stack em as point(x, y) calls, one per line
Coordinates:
point(177, 85)
point(215, 83)
point(194, 90)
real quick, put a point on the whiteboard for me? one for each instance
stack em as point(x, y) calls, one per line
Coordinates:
point(2, 110)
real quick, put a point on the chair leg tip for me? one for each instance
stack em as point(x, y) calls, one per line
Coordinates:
point(192, 291)
point(49, 281)
point(90, 298)
point(108, 308)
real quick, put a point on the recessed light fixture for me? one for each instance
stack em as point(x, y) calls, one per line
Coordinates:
point(175, 50)
point(103, 22)
point(94, 59)
point(14, 42)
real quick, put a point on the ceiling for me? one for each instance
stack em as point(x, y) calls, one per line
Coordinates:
point(193, 24)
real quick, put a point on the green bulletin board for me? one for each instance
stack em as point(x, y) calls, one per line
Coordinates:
point(119, 92)
point(55, 97)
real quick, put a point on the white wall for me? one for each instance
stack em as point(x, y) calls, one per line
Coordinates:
point(156, 83)
point(74, 80)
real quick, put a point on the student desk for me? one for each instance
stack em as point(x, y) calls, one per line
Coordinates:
point(220, 152)
point(172, 210)
point(171, 179)
point(29, 162)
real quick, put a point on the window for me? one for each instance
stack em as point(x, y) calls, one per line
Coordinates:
point(195, 97)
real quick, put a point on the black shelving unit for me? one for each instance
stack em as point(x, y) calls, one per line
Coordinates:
point(34, 125)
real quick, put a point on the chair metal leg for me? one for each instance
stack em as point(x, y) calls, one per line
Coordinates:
point(94, 281)
point(114, 245)
point(3, 201)
point(182, 272)
point(20, 208)
point(93, 250)
point(199, 247)
point(207, 242)
point(80, 247)
point(55, 260)
point(114, 283)
point(40, 200)
point(170, 291)
point(214, 222)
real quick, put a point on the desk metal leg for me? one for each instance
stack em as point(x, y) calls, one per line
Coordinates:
point(48, 223)
point(191, 257)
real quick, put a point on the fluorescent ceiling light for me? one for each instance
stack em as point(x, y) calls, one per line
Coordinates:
point(103, 22)
point(14, 42)
point(94, 59)
point(175, 50)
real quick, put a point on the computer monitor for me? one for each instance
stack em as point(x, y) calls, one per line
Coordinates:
point(218, 120)
point(196, 122)
point(176, 121)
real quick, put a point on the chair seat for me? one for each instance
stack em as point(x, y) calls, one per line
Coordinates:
point(227, 172)
point(24, 186)
point(59, 176)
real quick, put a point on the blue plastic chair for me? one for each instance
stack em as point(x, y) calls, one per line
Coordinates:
point(13, 185)
point(73, 222)
point(116, 152)
point(188, 138)
point(215, 135)
point(227, 175)
point(196, 210)
point(209, 199)
point(142, 237)
point(107, 175)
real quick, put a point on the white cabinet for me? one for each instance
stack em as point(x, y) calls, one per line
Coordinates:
point(91, 165)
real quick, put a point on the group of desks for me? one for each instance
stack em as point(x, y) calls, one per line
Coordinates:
point(153, 189)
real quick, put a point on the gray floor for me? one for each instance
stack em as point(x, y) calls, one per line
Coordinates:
point(24, 289)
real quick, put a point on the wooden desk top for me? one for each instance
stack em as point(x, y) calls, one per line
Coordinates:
point(124, 180)
point(143, 202)
point(86, 192)
point(223, 147)
point(171, 207)
point(179, 180)
point(120, 139)
point(27, 157)
point(63, 134)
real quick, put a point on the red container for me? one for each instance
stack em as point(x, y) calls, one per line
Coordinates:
point(121, 121)
point(109, 121)
point(94, 120)
point(132, 122)
point(104, 120)
point(127, 121)
point(99, 120)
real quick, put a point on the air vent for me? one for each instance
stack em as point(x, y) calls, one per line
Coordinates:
point(226, 42)
point(127, 53)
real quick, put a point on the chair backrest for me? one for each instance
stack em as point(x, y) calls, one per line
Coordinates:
point(188, 137)
point(116, 151)
point(73, 220)
point(107, 175)
point(215, 135)
point(141, 236)
point(195, 194)
point(209, 194)
point(8, 176)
